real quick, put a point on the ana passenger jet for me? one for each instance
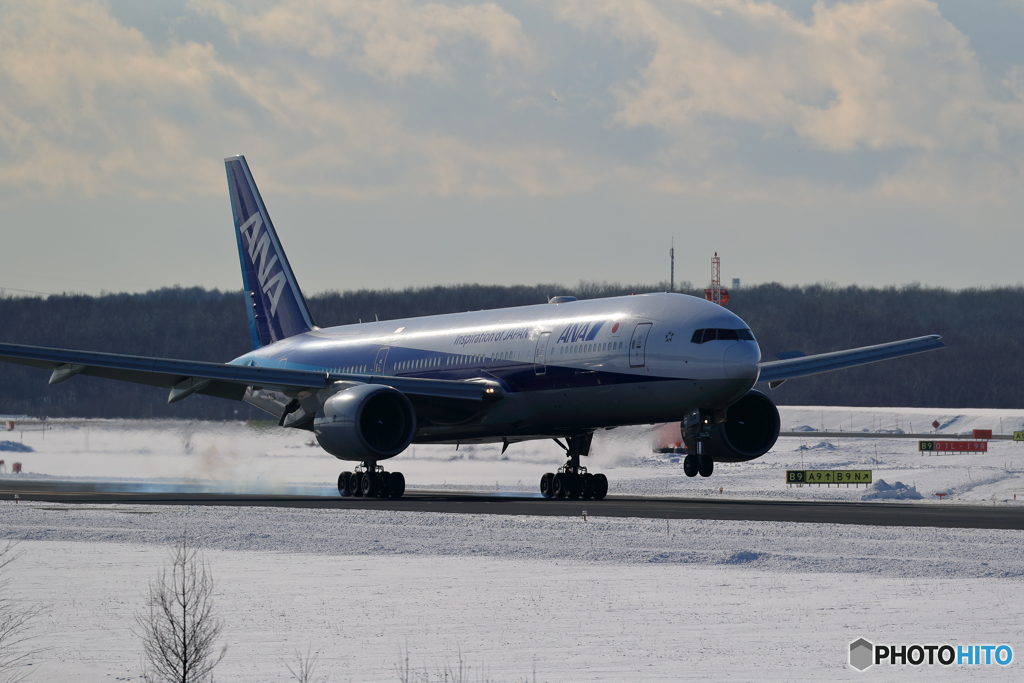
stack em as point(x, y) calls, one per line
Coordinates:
point(560, 371)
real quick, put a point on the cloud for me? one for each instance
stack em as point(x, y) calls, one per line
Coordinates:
point(94, 105)
point(877, 76)
point(392, 39)
point(1014, 81)
point(890, 73)
point(718, 98)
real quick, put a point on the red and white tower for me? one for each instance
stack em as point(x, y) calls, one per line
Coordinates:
point(716, 294)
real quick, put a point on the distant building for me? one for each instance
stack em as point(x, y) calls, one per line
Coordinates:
point(735, 283)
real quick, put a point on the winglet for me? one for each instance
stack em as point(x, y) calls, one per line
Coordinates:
point(274, 302)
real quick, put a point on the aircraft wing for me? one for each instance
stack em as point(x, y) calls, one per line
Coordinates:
point(778, 371)
point(185, 377)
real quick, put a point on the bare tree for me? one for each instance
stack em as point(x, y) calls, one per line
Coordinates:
point(16, 652)
point(179, 630)
point(305, 668)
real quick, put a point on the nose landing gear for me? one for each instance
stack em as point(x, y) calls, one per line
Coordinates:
point(698, 463)
point(695, 432)
point(572, 480)
point(371, 481)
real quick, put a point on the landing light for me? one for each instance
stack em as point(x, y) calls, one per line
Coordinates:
point(490, 390)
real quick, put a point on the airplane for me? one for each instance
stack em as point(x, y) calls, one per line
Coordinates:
point(561, 370)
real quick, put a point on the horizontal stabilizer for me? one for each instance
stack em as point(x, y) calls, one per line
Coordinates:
point(776, 372)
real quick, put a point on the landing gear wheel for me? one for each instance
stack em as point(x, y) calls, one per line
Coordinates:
point(575, 486)
point(384, 485)
point(356, 484)
point(345, 484)
point(546, 483)
point(588, 486)
point(368, 484)
point(600, 486)
point(397, 484)
point(691, 465)
point(560, 487)
point(707, 465)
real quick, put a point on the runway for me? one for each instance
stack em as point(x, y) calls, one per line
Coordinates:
point(869, 514)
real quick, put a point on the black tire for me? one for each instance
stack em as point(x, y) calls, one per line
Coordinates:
point(575, 486)
point(384, 485)
point(588, 486)
point(368, 484)
point(397, 484)
point(345, 484)
point(600, 486)
point(559, 486)
point(546, 483)
point(707, 465)
point(356, 484)
point(690, 465)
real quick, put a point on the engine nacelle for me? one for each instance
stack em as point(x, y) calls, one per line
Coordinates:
point(365, 422)
point(748, 431)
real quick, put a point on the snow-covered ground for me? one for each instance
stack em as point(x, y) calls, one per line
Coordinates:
point(573, 600)
point(236, 456)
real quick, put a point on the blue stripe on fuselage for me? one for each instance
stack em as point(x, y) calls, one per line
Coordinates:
point(515, 375)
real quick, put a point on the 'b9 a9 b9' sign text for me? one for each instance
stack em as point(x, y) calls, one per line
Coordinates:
point(953, 446)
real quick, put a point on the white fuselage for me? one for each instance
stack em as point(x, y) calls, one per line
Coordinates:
point(564, 368)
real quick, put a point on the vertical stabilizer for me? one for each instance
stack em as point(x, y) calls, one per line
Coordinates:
point(275, 303)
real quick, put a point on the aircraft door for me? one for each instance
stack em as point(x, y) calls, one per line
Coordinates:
point(638, 345)
point(540, 365)
point(382, 357)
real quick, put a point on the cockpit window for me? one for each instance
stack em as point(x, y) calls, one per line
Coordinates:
point(705, 335)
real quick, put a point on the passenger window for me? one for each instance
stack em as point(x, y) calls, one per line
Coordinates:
point(698, 337)
point(728, 335)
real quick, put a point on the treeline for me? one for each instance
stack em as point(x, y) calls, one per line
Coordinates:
point(981, 367)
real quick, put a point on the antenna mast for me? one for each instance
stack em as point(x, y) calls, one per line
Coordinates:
point(672, 266)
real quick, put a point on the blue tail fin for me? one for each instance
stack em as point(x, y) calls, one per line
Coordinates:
point(275, 303)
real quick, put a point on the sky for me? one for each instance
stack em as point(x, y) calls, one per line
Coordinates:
point(405, 144)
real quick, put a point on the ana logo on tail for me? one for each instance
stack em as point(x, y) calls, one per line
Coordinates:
point(259, 247)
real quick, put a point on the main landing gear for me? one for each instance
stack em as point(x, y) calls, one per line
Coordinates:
point(371, 481)
point(572, 481)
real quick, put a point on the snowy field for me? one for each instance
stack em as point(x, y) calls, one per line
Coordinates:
point(233, 456)
point(523, 598)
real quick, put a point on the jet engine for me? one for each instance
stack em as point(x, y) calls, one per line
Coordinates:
point(365, 422)
point(745, 430)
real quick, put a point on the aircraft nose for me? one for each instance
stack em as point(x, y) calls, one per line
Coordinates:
point(741, 360)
